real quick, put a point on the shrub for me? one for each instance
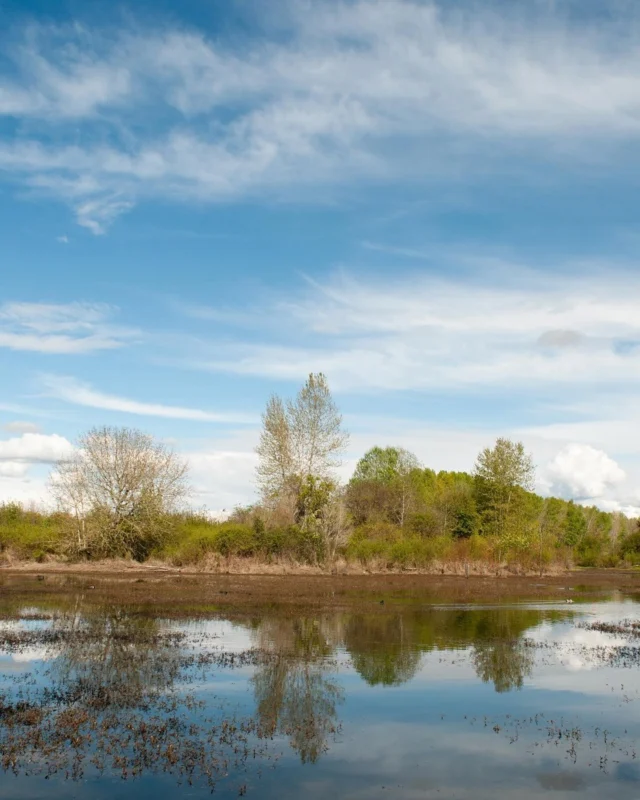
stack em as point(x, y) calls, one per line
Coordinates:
point(366, 550)
point(236, 540)
point(30, 534)
point(591, 552)
point(195, 538)
point(424, 524)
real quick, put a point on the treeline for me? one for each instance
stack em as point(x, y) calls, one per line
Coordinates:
point(124, 494)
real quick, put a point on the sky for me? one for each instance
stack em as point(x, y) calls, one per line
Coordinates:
point(434, 204)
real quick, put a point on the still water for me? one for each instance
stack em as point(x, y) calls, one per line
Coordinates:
point(398, 700)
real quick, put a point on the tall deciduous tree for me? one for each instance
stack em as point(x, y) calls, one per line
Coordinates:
point(385, 464)
point(382, 485)
point(506, 464)
point(300, 438)
point(119, 485)
point(503, 473)
point(275, 449)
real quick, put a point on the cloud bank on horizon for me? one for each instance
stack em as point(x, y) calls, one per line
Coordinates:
point(432, 203)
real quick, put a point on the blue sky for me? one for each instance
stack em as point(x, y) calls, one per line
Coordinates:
point(436, 205)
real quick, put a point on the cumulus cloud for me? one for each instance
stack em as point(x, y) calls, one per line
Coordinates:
point(72, 328)
point(35, 448)
point(78, 393)
point(582, 472)
point(13, 469)
point(18, 458)
point(354, 91)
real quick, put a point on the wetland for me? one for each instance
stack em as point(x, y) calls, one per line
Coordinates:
point(407, 687)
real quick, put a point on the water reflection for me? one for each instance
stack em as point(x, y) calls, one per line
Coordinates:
point(111, 657)
point(295, 695)
point(387, 649)
point(106, 690)
point(504, 663)
point(99, 690)
point(383, 648)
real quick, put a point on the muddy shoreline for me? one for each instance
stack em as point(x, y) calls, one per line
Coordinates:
point(175, 591)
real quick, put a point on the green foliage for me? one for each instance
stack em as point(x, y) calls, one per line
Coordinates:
point(630, 547)
point(30, 534)
point(425, 523)
point(391, 547)
point(575, 525)
point(505, 466)
point(590, 552)
point(399, 516)
point(196, 538)
point(313, 498)
point(385, 485)
point(384, 464)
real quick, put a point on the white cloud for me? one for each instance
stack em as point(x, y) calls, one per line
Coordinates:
point(62, 239)
point(72, 328)
point(465, 332)
point(25, 489)
point(222, 479)
point(73, 391)
point(581, 471)
point(33, 448)
point(98, 213)
point(24, 461)
point(13, 469)
point(385, 90)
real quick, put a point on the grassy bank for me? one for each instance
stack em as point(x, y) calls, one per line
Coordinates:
point(245, 544)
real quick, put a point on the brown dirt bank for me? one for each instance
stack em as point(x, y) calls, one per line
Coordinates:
point(175, 592)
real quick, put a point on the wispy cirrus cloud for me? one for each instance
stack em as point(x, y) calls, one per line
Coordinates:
point(355, 91)
point(462, 332)
point(72, 328)
point(82, 394)
point(563, 346)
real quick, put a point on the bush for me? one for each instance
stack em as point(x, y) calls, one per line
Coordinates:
point(630, 547)
point(425, 524)
point(397, 550)
point(479, 548)
point(31, 534)
point(236, 540)
point(413, 552)
point(379, 532)
point(366, 550)
point(195, 538)
point(591, 552)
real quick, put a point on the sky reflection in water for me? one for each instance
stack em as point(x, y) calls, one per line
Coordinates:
point(482, 702)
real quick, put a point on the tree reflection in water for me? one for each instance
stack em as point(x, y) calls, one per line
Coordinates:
point(383, 648)
point(387, 649)
point(110, 692)
point(505, 663)
point(111, 698)
point(114, 658)
point(294, 695)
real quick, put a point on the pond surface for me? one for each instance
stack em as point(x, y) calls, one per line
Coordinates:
point(404, 699)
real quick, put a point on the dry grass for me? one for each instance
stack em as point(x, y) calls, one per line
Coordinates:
point(215, 564)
